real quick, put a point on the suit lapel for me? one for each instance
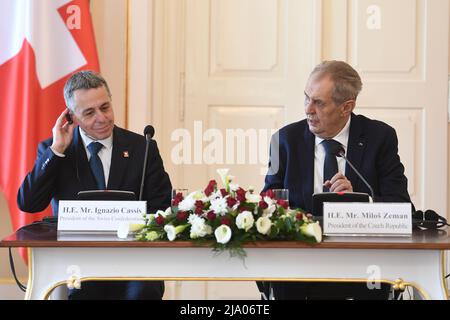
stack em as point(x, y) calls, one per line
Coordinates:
point(308, 171)
point(121, 152)
point(83, 171)
point(355, 149)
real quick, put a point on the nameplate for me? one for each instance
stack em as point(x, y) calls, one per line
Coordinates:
point(378, 219)
point(99, 216)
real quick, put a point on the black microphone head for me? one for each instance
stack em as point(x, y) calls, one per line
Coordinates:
point(149, 132)
point(338, 151)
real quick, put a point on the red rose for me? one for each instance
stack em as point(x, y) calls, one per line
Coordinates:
point(224, 193)
point(263, 205)
point(225, 220)
point(199, 207)
point(212, 183)
point(269, 193)
point(210, 188)
point(299, 216)
point(199, 204)
point(231, 202)
point(211, 216)
point(244, 208)
point(198, 210)
point(208, 191)
point(240, 195)
point(178, 198)
point(160, 220)
point(182, 216)
point(283, 203)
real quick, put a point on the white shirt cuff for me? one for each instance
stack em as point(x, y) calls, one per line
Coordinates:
point(61, 155)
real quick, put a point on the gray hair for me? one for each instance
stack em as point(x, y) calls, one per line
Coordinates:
point(82, 80)
point(347, 82)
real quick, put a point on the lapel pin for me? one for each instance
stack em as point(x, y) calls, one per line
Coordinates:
point(126, 154)
point(360, 144)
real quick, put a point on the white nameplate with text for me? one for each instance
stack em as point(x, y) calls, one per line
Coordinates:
point(393, 219)
point(104, 216)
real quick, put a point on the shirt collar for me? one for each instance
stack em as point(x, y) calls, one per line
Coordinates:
point(107, 143)
point(341, 137)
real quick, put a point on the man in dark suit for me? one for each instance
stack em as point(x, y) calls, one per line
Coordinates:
point(89, 152)
point(300, 162)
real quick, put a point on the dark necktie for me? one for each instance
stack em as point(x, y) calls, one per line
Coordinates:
point(96, 164)
point(330, 166)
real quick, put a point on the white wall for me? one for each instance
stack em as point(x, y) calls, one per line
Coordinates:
point(448, 178)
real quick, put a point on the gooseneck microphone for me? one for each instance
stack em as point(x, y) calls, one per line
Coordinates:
point(340, 152)
point(149, 132)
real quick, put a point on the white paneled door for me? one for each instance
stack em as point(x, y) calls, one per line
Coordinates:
point(236, 71)
point(246, 64)
point(400, 48)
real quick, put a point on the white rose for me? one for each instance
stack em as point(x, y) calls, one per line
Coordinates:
point(263, 225)
point(269, 211)
point(312, 230)
point(269, 201)
point(234, 187)
point(252, 198)
point(245, 220)
point(223, 234)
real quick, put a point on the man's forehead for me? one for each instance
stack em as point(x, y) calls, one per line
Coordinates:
point(319, 85)
point(91, 98)
point(91, 92)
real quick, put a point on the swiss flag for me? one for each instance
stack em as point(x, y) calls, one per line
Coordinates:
point(42, 42)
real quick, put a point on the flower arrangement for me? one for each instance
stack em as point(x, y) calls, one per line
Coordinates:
point(229, 217)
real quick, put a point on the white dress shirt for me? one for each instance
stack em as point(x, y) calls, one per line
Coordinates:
point(104, 154)
point(319, 156)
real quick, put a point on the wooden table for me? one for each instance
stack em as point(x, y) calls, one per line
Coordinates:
point(417, 261)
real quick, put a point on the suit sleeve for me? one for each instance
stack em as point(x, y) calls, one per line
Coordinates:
point(158, 187)
point(276, 171)
point(393, 184)
point(38, 187)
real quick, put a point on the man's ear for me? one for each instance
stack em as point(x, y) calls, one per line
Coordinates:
point(348, 107)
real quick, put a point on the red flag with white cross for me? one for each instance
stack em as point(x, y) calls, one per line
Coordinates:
point(42, 42)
